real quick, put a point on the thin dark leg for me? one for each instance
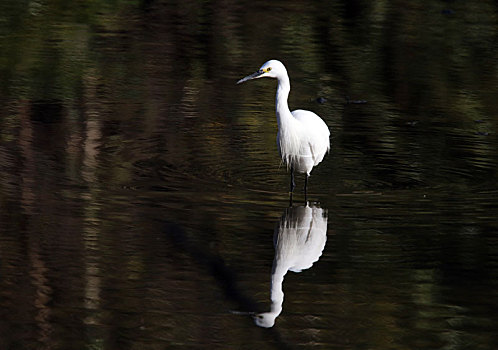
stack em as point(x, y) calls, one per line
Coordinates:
point(305, 188)
point(292, 185)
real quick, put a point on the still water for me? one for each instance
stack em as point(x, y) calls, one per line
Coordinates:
point(143, 204)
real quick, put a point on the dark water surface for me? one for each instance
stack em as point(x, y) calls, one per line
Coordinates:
point(141, 189)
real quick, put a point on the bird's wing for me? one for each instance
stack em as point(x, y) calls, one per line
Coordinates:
point(317, 132)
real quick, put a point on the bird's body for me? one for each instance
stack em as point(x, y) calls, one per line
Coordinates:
point(303, 138)
point(299, 241)
point(303, 145)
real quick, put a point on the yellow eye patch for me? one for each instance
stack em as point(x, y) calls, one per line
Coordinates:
point(266, 70)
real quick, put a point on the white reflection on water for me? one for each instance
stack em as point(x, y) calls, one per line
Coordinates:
point(299, 241)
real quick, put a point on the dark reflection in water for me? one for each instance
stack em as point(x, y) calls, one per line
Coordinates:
point(139, 185)
point(299, 241)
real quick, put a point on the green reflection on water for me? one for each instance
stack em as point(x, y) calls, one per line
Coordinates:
point(118, 116)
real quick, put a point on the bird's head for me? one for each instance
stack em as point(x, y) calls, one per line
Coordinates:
point(265, 320)
point(271, 69)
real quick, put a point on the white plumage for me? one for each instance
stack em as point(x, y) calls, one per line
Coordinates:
point(303, 138)
point(299, 242)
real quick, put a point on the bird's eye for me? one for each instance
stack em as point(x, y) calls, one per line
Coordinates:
point(268, 69)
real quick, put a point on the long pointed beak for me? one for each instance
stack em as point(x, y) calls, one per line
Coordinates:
point(258, 74)
point(243, 313)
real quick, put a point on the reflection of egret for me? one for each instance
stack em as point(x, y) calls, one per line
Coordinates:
point(303, 137)
point(299, 241)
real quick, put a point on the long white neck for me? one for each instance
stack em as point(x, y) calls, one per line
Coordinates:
point(267, 319)
point(283, 89)
point(289, 131)
point(277, 293)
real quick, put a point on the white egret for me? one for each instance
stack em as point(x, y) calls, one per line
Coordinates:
point(299, 242)
point(302, 137)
